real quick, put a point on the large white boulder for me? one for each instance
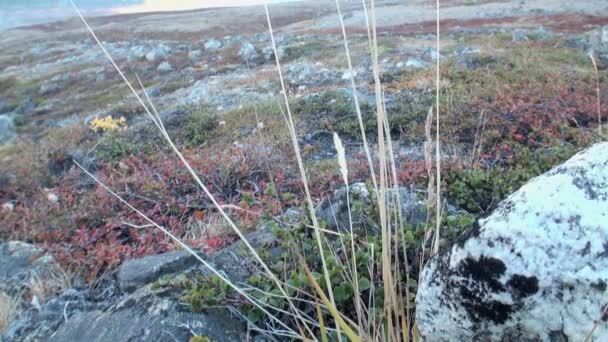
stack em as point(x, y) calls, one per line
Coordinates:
point(536, 269)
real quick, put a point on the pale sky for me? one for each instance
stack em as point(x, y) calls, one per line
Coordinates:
point(182, 5)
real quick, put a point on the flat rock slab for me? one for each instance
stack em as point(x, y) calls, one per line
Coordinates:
point(536, 269)
point(137, 273)
point(18, 262)
point(148, 316)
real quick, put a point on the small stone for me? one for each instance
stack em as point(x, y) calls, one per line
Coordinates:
point(268, 53)
point(7, 129)
point(8, 206)
point(248, 52)
point(52, 197)
point(519, 35)
point(415, 63)
point(158, 53)
point(604, 36)
point(194, 55)
point(137, 53)
point(164, 67)
point(431, 54)
point(213, 44)
point(348, 74)
point(48, 87)
point(467, 50)
point(136, 273)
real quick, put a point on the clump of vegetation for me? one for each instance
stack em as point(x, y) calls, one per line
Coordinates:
point(334, 111)
point(202, 292)
point(201, 127)
point(108, 124)
point(512, 116)
point(478, 190)
point(115, 145)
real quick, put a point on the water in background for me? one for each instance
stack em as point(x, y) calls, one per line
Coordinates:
point(14, 13)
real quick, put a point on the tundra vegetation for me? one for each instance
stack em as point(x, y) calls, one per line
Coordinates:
point(464, 133)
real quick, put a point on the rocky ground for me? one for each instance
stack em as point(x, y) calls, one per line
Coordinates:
point(518, 97)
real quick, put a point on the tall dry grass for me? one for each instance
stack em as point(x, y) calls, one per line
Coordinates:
point(9, 306)
point(394, 322)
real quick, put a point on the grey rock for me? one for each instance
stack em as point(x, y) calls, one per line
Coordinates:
point(7, 129)
point(310, 75)
point(157, 53)
point(100, 75)
point(213, 44)
point(261, 37)
point(542, 33)
point(7, 106)
point(147, 315)
point(198, 92)
point(164, 67)
point(37, 324)
point(604, 36)
point(136, 273)
point(297, 73)
point(334, 212)
point(519, 35)
point(431, 54)
point(248, 52)
point(534, 270)
point(195, 55)
point(346, 75)
point(415, 63)
point(284, 38)
point(268, 53)
point(26, 106)
point(466, 50)
point(602, 61)
point(136, 53)
point(47, 88)
point(18, 262)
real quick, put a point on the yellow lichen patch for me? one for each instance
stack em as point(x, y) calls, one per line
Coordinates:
point(108, 124)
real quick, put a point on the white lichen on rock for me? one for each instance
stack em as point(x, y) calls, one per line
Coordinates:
point(536, 269)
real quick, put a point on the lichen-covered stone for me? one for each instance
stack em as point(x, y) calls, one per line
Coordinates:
point(536, 269)
point(149, 316)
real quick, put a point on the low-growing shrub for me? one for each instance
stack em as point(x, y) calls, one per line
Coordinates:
point(479, 190)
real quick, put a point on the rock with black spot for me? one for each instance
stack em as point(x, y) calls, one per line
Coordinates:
point(536, 269)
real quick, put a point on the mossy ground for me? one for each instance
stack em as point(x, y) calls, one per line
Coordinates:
point(513, 110)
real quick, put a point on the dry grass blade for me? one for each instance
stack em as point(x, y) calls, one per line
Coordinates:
point(597, 91)
point(296, 147)
point(187, 249)
point(158, 122)
point(437, 140)
point(321, 323)
point(350, 333)
point(478, 142)
point(430, 190)
point(355, 275)
point(8, 309)
point(390, 305)
point(356, 97)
